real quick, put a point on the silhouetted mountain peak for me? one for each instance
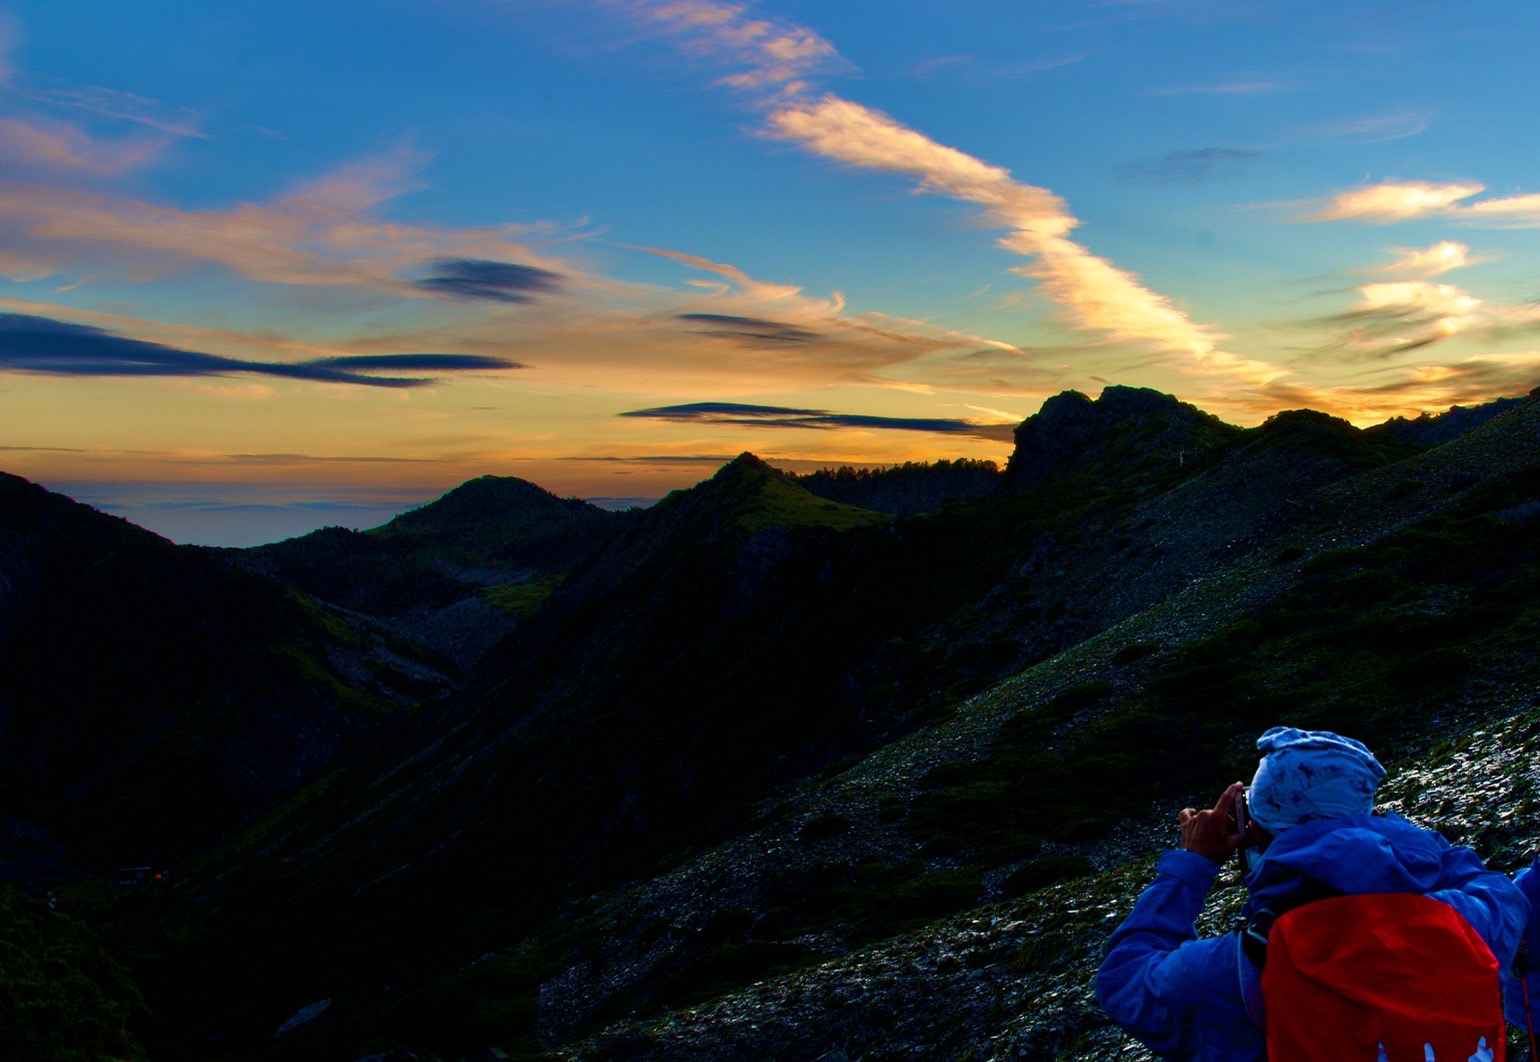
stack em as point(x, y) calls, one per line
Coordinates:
point(1307, 420)
point(480, 500)
point(1125, 426)
point(1318, 447)
point(749, 495)
point(746, 468)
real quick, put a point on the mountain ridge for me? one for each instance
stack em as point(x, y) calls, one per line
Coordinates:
point(764, 771)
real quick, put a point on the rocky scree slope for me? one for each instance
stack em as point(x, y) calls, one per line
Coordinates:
point(1010, 978)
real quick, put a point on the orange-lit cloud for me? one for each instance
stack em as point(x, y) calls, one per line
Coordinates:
point(1443, 257)
point(1516, 211)
point(741, 280)
point(767, 54)
point(1092, 293)
point(58, 147)
point(330, 236)
point(1388, 391)
point(1393, 318)
point(1471, 381)
point(325, 233)
point(1393, 201)
point(1418, 296)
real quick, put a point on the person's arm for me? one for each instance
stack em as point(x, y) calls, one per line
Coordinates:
point(1156, 969)
point(1491, 903)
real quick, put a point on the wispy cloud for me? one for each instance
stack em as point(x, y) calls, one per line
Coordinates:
point(1394, 201)
point(43, 345)
point(737, 277)
point(655, 459)
point(973, 68)
point(1374, 129)
point(1395, 317)
point(751, 330)
point(114, 105)
point(733, 413)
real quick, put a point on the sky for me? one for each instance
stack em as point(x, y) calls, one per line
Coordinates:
point(271, 266)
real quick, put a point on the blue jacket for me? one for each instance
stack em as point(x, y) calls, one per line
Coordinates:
point(1528, 882)
point(1201, 999)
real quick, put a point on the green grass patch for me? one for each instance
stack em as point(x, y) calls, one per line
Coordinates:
point(524, 599)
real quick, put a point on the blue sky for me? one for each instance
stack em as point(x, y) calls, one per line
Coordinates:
point(269, 266)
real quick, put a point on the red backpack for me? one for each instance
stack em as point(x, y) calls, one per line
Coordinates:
point(1346, 977)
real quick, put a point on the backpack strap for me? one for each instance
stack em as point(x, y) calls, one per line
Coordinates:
point(1254, 934)
point(1521, 971)
point(1255, 931)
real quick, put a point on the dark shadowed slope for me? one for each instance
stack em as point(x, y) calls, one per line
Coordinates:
point(152, 696)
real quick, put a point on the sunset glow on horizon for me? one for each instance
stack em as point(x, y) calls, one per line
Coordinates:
point(273, 266)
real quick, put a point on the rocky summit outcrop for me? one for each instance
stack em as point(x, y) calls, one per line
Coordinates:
point(1124, 433)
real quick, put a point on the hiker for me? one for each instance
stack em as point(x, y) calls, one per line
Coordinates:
point(1521, 988)
point(1305, 830)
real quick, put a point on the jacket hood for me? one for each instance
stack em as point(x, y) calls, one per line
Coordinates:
point(1355, 854)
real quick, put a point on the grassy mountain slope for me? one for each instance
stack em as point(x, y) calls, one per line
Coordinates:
point(458, 573)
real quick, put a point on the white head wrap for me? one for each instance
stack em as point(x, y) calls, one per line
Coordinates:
point(1307, 775)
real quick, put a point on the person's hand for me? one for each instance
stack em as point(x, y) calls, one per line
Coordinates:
point(1212, 833)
